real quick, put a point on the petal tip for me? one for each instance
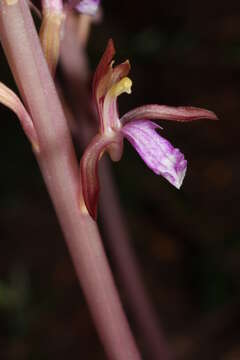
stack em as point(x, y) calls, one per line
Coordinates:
point(203, 114)
point(179, 180)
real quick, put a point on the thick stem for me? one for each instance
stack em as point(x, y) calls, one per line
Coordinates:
point(60, 170)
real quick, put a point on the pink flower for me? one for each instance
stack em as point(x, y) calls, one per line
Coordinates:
point(136, 126)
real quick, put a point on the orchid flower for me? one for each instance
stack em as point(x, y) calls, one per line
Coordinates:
point(136, 126)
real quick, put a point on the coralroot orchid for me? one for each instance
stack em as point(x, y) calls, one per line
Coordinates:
point(136, 126)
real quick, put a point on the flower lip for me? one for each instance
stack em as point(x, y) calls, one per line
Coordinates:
point(158, 154)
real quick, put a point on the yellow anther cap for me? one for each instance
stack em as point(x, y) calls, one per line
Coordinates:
point(124, 85)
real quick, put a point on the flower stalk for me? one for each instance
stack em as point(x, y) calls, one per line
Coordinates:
point(59, 167)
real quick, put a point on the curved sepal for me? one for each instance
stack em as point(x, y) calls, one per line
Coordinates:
point(89, 170)
point(163, 112)
point(12, 101)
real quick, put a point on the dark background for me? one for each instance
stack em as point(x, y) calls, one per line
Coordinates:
point(187, 242)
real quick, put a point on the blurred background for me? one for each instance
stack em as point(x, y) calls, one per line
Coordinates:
point(187, 242)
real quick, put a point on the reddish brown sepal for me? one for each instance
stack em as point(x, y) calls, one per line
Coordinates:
point(103, 65)
point(89, 171)
point(163, 112)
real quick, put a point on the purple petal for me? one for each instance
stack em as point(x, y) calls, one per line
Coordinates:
point(156, 152)
point(88, 7)
point(180, 113)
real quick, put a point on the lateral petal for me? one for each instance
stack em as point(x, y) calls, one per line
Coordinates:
point(163, 112)
point(158, 154)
